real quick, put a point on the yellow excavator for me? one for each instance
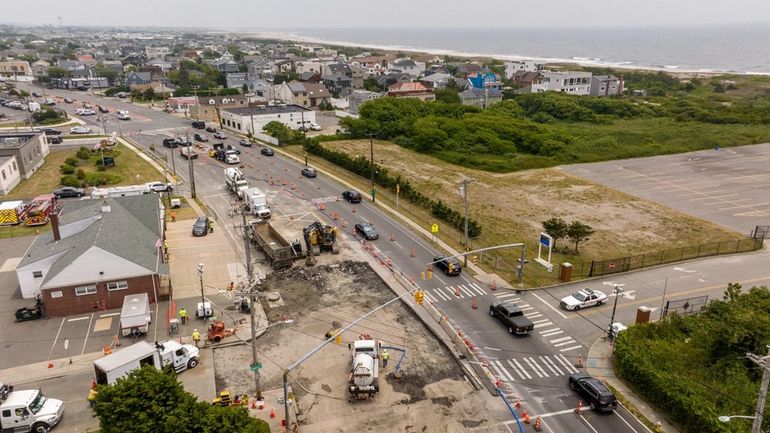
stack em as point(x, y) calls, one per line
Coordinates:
point(320, 237)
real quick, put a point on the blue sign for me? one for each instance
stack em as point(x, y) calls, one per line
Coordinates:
point(545, 240)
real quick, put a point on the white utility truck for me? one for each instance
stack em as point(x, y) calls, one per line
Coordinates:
point(235, 181)
point(256, 201)
point(28, 410)
point(135, 317)
point(365, 374)
point(113, 367)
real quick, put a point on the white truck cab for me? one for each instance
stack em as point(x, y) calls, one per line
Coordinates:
point(29, 411)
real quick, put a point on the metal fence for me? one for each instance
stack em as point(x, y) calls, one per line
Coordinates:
point(685, 306)
point(596, 268)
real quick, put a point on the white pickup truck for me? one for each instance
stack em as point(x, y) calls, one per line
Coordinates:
point(28, 410)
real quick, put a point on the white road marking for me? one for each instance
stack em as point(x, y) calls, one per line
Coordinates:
point(467, 291)
point(505, 295)
point(546, 322)
point(508, 375)
point(565, 362)
point(539, 322)
point(516, 369)
point(526, 308)
point(552, 365)
point(400, 246)
point(537, 367)
point(532, 316)
point(550, 306)
point(564, 343)
point(77, 319)
point(523, 371)
point(532, 366)
point(624, 420)
point(101, 316)
point(559, 340)
point(551, 334)
point(477, 289)
point(88, 332)
point(571, 348)
point(491, 348)
point(56, 339)
point(430, 297)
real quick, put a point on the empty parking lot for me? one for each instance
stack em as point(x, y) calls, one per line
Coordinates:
point(728, 187)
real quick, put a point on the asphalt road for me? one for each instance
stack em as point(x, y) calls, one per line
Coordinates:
point(534, 368)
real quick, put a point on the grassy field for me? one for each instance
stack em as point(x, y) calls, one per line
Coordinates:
point(511, 207)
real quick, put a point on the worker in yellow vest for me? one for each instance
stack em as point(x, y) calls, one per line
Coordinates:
point(196, 336)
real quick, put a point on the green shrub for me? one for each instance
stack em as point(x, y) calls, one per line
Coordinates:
point(101, 179)
point(71, 161)
point(81, 174)
point(83, 153)
point(67, 169)
point(70, 181)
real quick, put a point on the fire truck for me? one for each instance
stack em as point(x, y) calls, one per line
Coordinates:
point(39, 210)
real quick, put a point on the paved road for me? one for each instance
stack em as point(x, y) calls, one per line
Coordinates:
point(726, 186)
point(533, 368)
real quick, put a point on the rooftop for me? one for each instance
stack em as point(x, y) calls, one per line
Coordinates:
point(266, 109)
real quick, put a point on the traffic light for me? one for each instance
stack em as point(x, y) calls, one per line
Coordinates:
point(450, 267)
point(475, 259)
point(419, 296)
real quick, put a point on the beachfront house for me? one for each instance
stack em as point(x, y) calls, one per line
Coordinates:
point(571, 82)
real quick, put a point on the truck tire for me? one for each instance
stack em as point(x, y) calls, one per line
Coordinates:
point(217, 339)
point(492, 312)
point(192, 363)
point(510, 330)
point(40, 427)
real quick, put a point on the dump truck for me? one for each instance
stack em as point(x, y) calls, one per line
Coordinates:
point(365, 373)
point(278, 251)
point(256, 202)
point(39, 210)
point(12, 212)
point(28, 410)
point(119, 364)
point(188, 152)
point(235, 181)
point(135, 315)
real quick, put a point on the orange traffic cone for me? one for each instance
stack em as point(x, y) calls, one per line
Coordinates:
point(579, 408)
point(272, 413)
point(526, 417)
point(474, 303)
point(50, 364)
point(493, 286)
point(457, 291)
point(537, 425)
point(579, 363)
point(518, 403)
point(392, 238)
point(253, 404)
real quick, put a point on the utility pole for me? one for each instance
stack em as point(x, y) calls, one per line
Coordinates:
point(760, 410)
point(190, 164)
point(464, 193)
point(617, 291)
point(371, 153)
point(253, 285)
point(203, 297)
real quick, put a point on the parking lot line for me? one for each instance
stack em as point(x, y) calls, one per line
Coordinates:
point(77, 319)
point(88, 332)
point(56, 338)
point(752, 205)
point(101, 316)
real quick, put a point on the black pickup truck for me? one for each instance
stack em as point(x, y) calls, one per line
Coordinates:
point(512, 317)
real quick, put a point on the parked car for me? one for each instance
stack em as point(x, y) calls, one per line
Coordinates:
point(315, 127)
point(244, 142)
point(158, 186)
point(351, 196)
point(309, 172)
point(220, 135)
point(448, 265)
point(267, 151)
point(123, 115)
point(367, 231)
point(594, 392)
point(68, 191)
point(35, 94)
point(211, 129)
point(51, 131)
point(122, 95)
point(103, 109)
point(69, 100)
point(199, 124)
point(53, 139)
point(171, 143)
point(80, 130)
point(583, 298)
point(49, 101)
point(201, 226)
point(200, 137)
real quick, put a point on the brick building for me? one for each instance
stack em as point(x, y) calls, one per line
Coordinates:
point(97, 252)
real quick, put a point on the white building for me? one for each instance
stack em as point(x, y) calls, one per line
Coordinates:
point(522, 65)
point(308, 66)
point(408, 66)
point(571, 82)
point(160, 52)
point(11, 176)
point(253, 119)
point(606, 85)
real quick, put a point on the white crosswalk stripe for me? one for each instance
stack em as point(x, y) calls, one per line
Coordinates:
point(506, 295)
point(567, 349)
point(519, 369)
point(567, 366)
point(504, 371)
point(557, 331)
point(466, 291)
point(531, 316)
point(477, 288)
point(535, 368)
point(551, 366)
point(542, 366)
point(542, 323)
point(429, 297)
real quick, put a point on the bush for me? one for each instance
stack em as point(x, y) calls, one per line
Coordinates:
point(101, 179)
point(83, 153)
point(70, 181)
point(81, 174)
point(71, 161)
point(67, 169)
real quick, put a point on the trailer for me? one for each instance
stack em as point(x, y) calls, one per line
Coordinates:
point(12, 212)
point(365, 372)
point(39, 210)
point(178, 356)
point(120, 191)
point(279, 252)
point(135, 317)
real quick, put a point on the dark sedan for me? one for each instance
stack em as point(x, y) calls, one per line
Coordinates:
point(201, 227)
point(69, 191)
point(309, 172)
point(367, 231)
point(351, 196)
point(267, 151)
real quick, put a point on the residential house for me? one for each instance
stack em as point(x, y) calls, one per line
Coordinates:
point(408, 66)
point(465, 69)
point(181, 104)
point(136, 59)
point(260, 68)
point(525, 80)
point(189, 55)
point(74, 68)
point(161, 64)
point(481, 98)
point(310, 77)
point(337, 77)
point(605, 85)
point(236, 80)
point(317, 94)
point(28, 148)
point(15, 68)
point(411, 90)
point(97, 252)
point(113, 65)
point(571, 82)
point(40, 68)
point(436, 81)
point(308, 66)
point(161, 52)
point(282, 66)
point(374, 65)
point(226, 63)
point(436, 69)
point(134, 78)
point(488, 80)
point(209, 108)
point(358, 97)
point(358, 75)
point(253, 119)
point(522, 65)
point(160, 88)
point(392, 78)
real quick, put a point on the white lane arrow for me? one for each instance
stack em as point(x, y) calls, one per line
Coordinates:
point(629, 294)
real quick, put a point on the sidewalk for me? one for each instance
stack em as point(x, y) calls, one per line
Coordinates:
point(599, 364)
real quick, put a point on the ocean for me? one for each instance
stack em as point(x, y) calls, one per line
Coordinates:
point(712, 48)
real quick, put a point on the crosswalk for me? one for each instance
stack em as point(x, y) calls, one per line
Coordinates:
point(531, 367)
point(450, 293)
point(543, 326)
point(161, 131)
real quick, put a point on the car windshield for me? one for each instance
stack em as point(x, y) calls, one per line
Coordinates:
point(579, 296)
point(37, 403)
point(368, 229)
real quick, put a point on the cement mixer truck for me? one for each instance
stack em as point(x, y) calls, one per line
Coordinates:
point(365, 374)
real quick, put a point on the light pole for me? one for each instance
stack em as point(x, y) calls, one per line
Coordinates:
point(203, 298)
point(725, 418)
point(617, 291)
point(464, 194)
point(371, 154)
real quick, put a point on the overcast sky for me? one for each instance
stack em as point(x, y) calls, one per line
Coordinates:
point(287, 14)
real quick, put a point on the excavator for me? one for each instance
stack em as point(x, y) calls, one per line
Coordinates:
point(320, 237)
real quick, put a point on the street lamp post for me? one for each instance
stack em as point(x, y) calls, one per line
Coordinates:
point(617, 291)
point(371, 154)
point(203, 298)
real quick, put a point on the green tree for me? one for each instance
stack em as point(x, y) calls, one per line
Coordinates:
point(447, 95)
point(110, 74)
point(733, 292)
point(579, 232)
point(57, 72)
point(282, 133)
point(556, 227)
point(371, 85)
point(152, 401)
point(148, 94)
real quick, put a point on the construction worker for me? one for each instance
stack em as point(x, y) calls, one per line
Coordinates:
point(196, 336)
point(165, 247)
point(211, 226)
point(183, 315)
point(92, 397)
point(173, 216)
point(385, 357)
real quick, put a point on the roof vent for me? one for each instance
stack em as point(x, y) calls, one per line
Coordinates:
point(105, 207)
